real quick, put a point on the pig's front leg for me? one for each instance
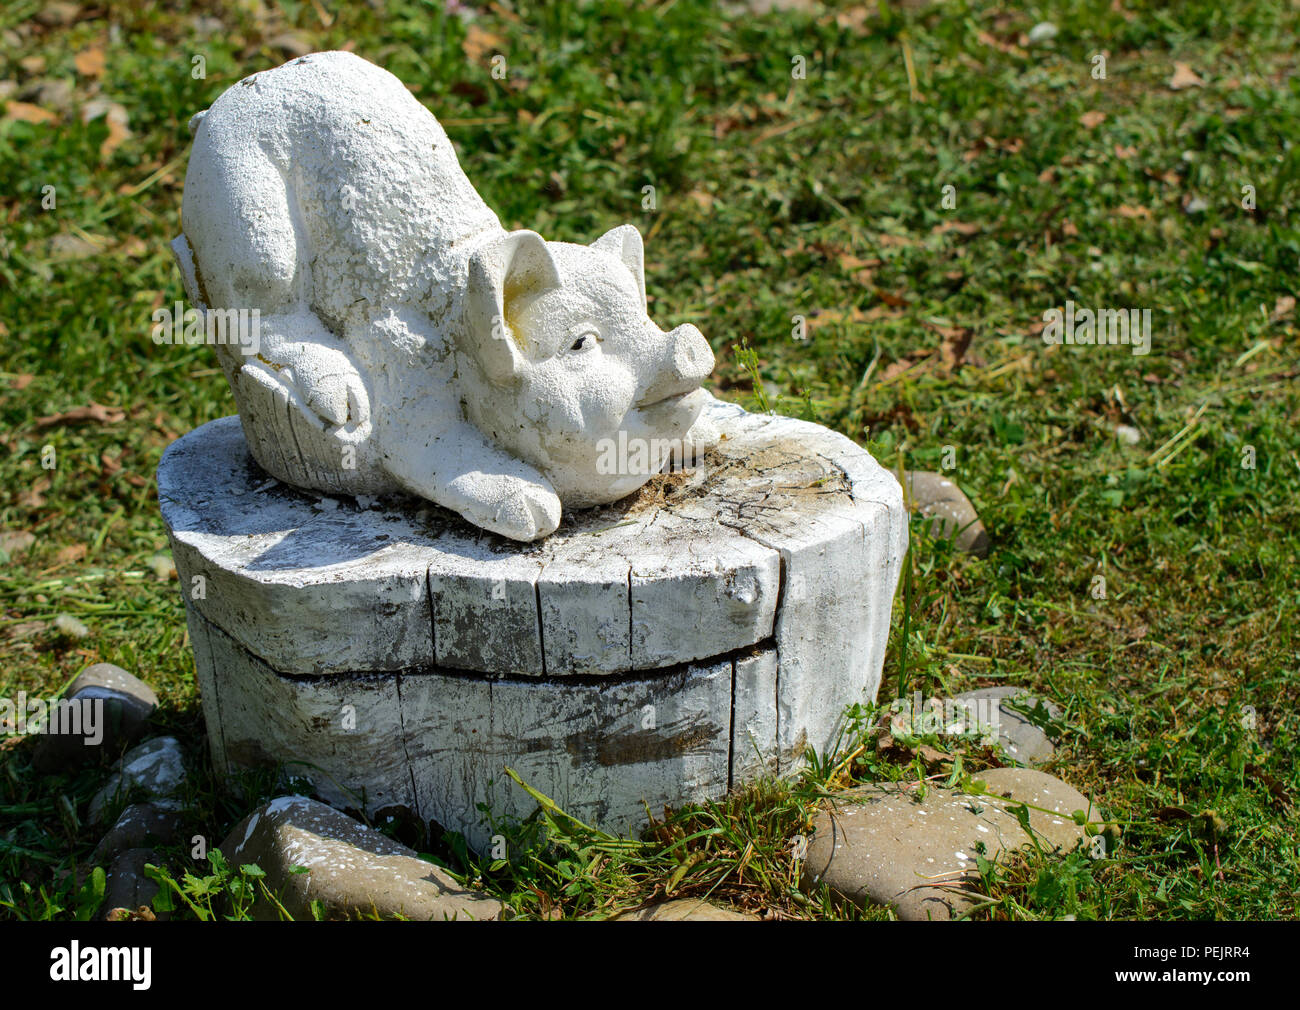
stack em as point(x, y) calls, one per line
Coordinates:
point(462, 470)
point(298, 352)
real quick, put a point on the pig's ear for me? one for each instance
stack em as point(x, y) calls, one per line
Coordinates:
point(515, 266)
point(625, 243)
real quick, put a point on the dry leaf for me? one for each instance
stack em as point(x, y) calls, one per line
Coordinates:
point(94, 412)
point(116, 118)
point(73, 552)
point(1010, 48)
point(479, 41)
point(22, 380)
point(1282, 309)
point(89, 62)
point(848, 261)
point(896, 368)
point(956, 340)
point(24, 112)
point(1125, 152)
point(1184, 77)
point(1126, 210)
point(960, 227)
point(291, 43)
point(34, 497)
point(1048, 174)
point(1093, 119)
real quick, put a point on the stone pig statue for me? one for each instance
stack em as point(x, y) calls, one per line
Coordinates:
point(406, 341)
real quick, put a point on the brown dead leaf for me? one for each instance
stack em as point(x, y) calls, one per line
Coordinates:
point(95, 412)
point(66, 555)
point(1123, 153)
point(849, 262)
point(25, 629)
point(291, 44)
point(1091, 120)
point(956, 341)
point(960, 227)
point(1010, 48)
point(1129, 211)
point(134, 247)
point(932, 756)
point(825, 317)
point(1068, 229)
point(21, 381)
point(479, 42)
point(897, 368)
point(1282, 308)
point(892, 300)
point(1048, 174)
point(118, 123)
point(34, 497)
point(90, 62)
point(1184, 77)
point(25, 112)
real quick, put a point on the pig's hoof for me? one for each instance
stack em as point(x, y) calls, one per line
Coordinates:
point(529, 514)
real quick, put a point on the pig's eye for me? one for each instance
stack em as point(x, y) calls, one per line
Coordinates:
point(584, 342)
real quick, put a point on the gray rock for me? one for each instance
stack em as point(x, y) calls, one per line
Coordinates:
point(1042, 32)
point(54, 94)
point(950, 512)
point(882, 845)
point(157, 768)
point(121, 704)
point(1021, 739)
point(353, 869)
point(686, 910)
point(138, 826)
point(127, 887)
point(57, 13)
point(14, 542)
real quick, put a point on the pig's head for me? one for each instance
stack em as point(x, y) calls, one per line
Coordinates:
point(561, 365)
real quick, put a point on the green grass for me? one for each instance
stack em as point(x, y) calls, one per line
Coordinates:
point(821, 198)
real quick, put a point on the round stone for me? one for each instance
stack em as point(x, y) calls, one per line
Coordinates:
point(885, 844)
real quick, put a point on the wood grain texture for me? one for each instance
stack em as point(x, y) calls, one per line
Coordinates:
point(702, 634)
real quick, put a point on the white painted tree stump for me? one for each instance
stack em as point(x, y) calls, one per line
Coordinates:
point(659, 650)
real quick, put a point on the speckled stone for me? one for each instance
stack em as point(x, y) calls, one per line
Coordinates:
point(126, 704)
point(353, 869)
point(127, 887)
point(686, 910)
point(1021, 739)
point(155, 768)
point(883, 845)
point(949, 511)
point(138, 825)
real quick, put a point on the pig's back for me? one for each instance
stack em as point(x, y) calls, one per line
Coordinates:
point(324, 182)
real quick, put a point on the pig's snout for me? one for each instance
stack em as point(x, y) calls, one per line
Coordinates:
point(688, 363)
